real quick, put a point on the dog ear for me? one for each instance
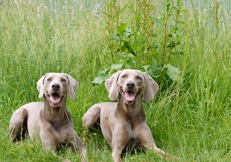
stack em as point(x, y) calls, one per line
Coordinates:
point(72, 87)
point(151, 87)
point(40, 86)
point(111, 86)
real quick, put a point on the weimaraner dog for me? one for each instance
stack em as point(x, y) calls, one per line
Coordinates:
point(49, 120)
point(123, 123)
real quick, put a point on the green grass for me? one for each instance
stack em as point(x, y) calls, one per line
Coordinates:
point(191, 118)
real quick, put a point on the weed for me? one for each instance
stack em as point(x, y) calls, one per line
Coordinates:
point(183, 45)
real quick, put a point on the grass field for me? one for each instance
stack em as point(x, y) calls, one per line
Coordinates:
point(185, 45)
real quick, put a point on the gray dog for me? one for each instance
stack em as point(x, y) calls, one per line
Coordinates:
point(49, 120)
point(123, 123)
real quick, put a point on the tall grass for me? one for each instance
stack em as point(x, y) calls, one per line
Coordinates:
point(189, 118)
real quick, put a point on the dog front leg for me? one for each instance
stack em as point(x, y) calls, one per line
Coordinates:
point(79, 147)
point(147, 141)
point(119, 140)
point(75, 144)
point(48, 139)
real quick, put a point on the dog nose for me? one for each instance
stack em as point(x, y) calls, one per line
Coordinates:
point(130, 84)
point(55, 87)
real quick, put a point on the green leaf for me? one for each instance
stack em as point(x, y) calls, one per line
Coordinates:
point(155, 45)
point(173, 44)
point(173, 72)
point(168, 7)
point(115, 67)
point(124, 47)
point(154, 71)
point(128, 32)
point(122, 28)
point(178, 53)
point(102, 77)
point(146, 67)
point(114, 37)
point(128, 46)
point(106, 73)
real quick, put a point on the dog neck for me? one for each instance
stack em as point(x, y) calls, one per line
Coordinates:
point(54, 114)
point(132, 109)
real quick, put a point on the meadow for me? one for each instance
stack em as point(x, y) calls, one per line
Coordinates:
point(184, 45)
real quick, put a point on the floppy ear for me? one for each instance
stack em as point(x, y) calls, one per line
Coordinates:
point(72, 87)
point(111, 86)
point(40, 86)
point(151, 87)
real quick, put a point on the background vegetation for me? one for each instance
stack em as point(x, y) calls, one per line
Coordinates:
point(183, 45)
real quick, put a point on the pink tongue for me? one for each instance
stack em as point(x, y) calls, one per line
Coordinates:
point(129, 96)
point(54, 100)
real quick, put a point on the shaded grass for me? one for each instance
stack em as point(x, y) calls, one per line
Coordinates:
point(191, 119)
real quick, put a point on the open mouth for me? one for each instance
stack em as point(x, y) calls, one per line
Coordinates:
point(129, 96)
point(55, 99)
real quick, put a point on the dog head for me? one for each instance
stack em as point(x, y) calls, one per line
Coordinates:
point(131, 84)
point(56, 86)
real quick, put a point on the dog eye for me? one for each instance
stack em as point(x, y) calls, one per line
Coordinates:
point(49, 79)
point(138, 78)
point(63, 80)
point(124, 76)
